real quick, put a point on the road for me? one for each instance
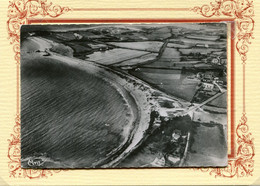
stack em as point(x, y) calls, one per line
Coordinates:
point(140, 134)
point(205, 102)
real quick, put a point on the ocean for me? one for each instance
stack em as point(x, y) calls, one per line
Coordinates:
point(72, 118)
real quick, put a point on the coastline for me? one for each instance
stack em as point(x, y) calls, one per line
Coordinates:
point(139, 95)
point(132, 94)
point(141, 124)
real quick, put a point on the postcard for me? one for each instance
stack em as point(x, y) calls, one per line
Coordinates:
point(123, 95)
point(129, 93)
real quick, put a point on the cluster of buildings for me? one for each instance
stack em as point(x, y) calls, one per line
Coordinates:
point(217, 58)
point(209, 86)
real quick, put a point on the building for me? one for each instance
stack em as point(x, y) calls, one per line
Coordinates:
point(208, 86)
point(77, 36)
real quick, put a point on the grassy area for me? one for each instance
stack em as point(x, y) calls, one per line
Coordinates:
point(169, 81)
point(114, 56)
point(138, 60)
point(209, 147)
point(221, 101)
point(149, 46)
point(133, 47)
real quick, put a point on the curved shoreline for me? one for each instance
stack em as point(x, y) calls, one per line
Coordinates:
point(125, 90)
point(134, 92)
point(108, 77)
point(140, 124)
point(134, 118)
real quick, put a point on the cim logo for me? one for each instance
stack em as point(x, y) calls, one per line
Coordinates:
point(35, 162)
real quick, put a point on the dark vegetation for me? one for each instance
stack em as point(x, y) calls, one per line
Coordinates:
point(160, 142)
point(85, 42)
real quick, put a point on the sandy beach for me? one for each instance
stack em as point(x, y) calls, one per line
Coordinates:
point(138, 116)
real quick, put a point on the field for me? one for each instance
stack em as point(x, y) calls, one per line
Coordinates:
point(198, 50)
point(210, 116)
point(137, 61)
point(170, 81)
point(114, 56)
point(193, 42)
point(119, 95)
point(149, 46)
point(170, 53)
point(209, 147)
point(221, 101)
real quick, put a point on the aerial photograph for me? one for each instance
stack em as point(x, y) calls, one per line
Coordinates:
point(124, 95)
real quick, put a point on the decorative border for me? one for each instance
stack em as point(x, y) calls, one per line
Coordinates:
point(20, 11)
point(242, 11)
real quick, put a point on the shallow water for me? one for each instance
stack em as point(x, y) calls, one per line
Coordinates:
point(69, 116)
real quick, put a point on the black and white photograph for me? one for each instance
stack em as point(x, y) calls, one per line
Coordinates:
point(124, 95)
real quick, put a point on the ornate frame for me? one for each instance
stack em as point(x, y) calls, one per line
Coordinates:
point(241, 11)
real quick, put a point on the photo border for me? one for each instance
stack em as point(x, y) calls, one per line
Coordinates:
point(240, 162)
